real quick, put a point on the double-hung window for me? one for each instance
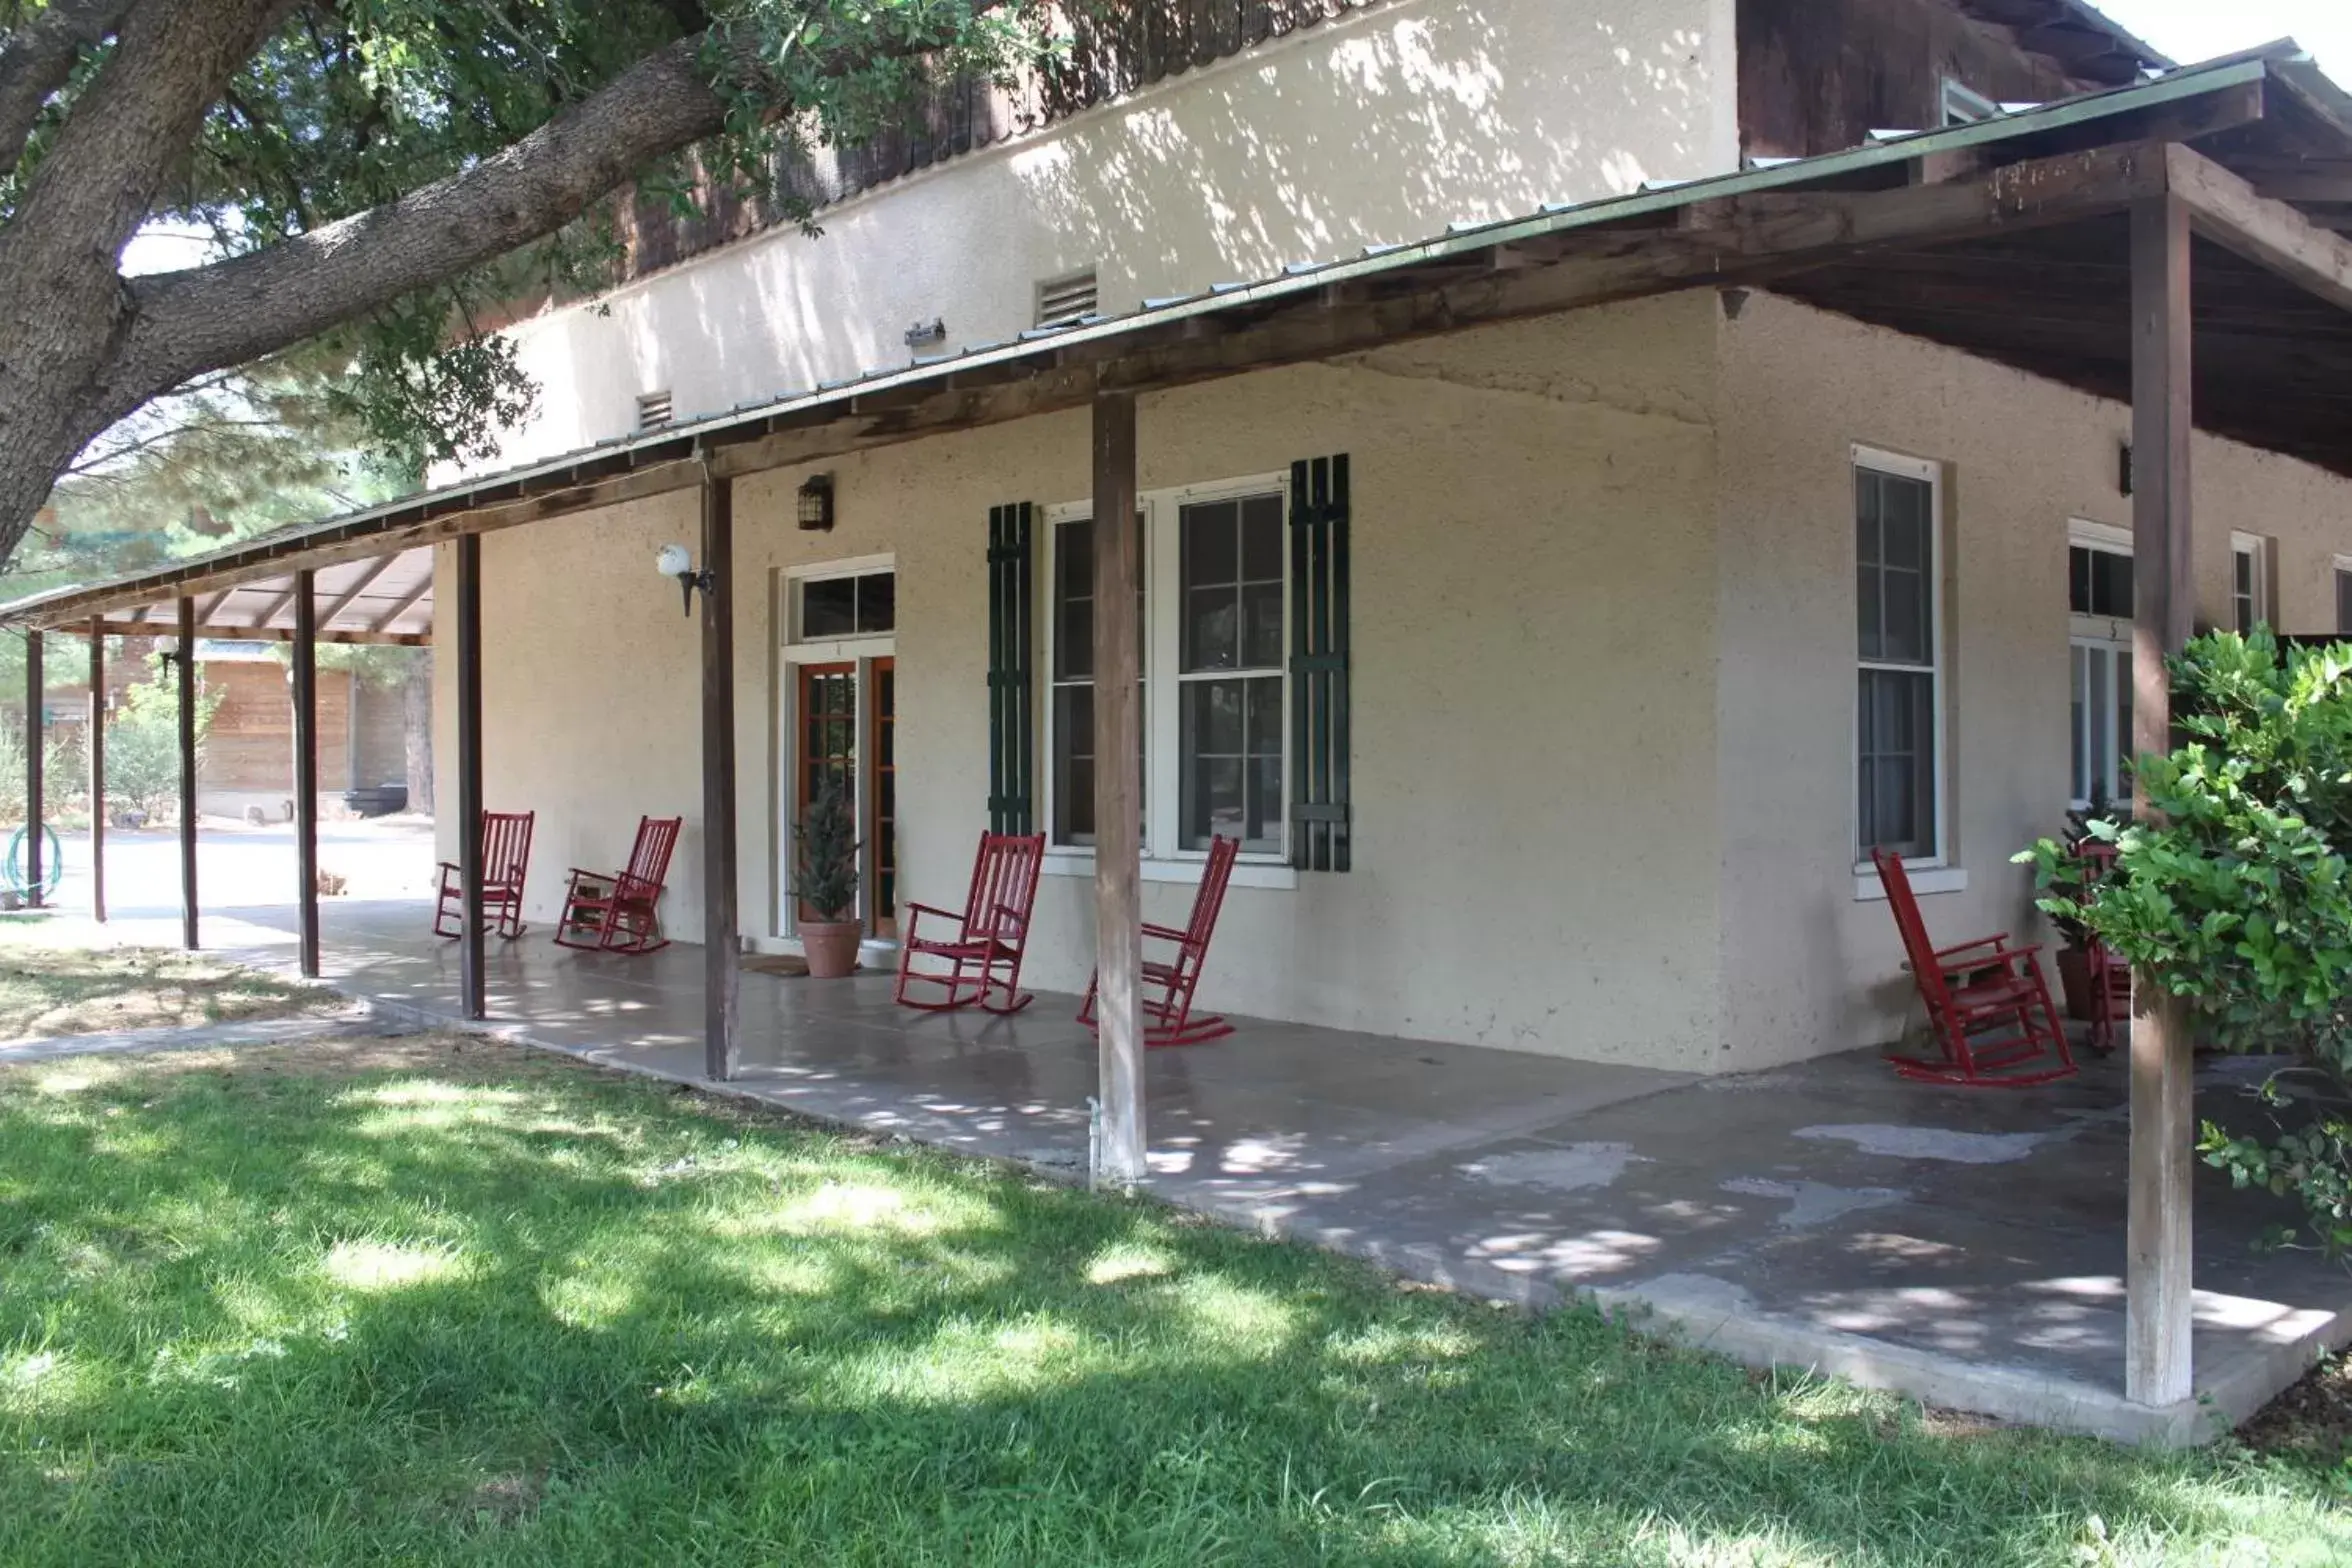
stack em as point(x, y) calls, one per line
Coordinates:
point(1216, 684)
point(1898, 714)
point(2249, 580)
point(2099, 652)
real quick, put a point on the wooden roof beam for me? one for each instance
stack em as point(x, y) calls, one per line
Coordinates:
point(342, 601)
point(2234, 215)
point(402, 605)
point(268, 634)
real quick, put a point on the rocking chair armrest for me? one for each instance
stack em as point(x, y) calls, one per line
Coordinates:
point(917, 911)
point(1999, 939)
point(1987, 956)
point(1164, 933)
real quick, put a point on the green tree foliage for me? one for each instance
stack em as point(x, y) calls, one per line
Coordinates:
point(143, 745)
point(2237, 897)
point(386, 181)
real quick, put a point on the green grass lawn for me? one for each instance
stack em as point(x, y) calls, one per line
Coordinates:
point(51, 988)
point(431, 1300)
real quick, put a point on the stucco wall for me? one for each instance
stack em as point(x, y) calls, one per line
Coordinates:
point(1381, 127)
point(1806, 967)
point(1534, 686)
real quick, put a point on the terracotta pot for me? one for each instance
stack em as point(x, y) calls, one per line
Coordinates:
point(2074, 980)
point(831, 947)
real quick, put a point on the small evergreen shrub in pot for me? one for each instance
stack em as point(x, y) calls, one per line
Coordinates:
point(825, 880)
point(2237, 895)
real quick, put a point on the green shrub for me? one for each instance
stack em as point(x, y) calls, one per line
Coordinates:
point(143, 745)
point(2237, 897)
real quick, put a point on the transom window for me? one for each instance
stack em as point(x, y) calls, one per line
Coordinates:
point(1900, 698)
point(850, 604)
point(2344, 595)
point(1214, 608)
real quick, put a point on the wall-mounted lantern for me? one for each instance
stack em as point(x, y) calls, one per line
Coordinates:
point(671, 560)
point(815, 508)
point(925, 334)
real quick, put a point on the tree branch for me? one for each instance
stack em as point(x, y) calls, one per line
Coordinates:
point(226, 312)
point(37, 58)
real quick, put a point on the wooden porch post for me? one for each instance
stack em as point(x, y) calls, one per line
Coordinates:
point(472, 977)
point(95, 741)
point(722, 975)
point(36, 808)
point(1118, 796)
point(187, 663)
point(306, 766)
point(2157, 1287)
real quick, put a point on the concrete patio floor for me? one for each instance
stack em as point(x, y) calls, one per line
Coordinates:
point(1962, 1247)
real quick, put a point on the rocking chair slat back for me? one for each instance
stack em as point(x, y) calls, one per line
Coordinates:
point(1004, 886)
point(649, 857)
point(506, 847)
point(1896, 879)
point(1168, 1018)
point(982, 954)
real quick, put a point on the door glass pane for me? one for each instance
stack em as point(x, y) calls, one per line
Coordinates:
point(2081, 662)
point(2101, 662)
point(2126, 745)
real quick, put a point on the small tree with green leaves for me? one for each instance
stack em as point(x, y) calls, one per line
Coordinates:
point(2236, 896)
point(143, 744)
point(825, 858)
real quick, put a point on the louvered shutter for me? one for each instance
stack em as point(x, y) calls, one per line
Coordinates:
point(1012, 722)
point(1319, 819)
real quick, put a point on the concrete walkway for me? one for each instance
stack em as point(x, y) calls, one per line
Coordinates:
point(1962, 1247)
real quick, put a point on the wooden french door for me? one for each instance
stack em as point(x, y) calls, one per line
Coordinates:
point(831, 721)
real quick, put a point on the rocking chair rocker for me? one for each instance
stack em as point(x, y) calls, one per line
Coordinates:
point(1987, 1003)
point(614, 911)
point(506, 857)
point(1167, 1016)
point(983, 953)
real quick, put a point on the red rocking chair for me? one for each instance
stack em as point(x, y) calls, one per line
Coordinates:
point(614, 912)
point(1987, 1002)
point(2110, 975)
point(983, 951)
point(506, 856)
point(1167, 1016)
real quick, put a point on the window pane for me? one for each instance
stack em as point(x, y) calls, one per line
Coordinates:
point(1073, 764)
point(2111, 584)
point(1231, 749)
point(1212, 633)
point(1892, 551)
point(1261, 626)
point(1904, 640)
point(2081, 660)
point(2344, 602)
point(1261, 538)
point(2078, 580)
point(1896, 790)
point(877, 602)
point(1073, 601)
point(1212, 544)
point(2126, 746)
point(828, 608)
point(2101, 664)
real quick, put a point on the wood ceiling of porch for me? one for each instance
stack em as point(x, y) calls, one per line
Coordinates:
point(385, 598)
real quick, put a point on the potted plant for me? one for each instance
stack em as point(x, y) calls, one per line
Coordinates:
point(825, 880)
point(2067, 885)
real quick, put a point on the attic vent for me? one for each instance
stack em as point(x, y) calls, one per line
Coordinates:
point(1065, 301)
point(653, 410)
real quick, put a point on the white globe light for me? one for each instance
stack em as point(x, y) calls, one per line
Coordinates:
point(672, 560)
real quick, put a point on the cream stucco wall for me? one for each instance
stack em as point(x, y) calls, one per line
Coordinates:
point(1534, 682)
point(1381, 127)
point(1806, 967)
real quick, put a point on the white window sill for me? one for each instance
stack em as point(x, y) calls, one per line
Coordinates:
point(1924, 881)
point(1246, 872)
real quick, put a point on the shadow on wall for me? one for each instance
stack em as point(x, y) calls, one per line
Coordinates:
point(1378, 130)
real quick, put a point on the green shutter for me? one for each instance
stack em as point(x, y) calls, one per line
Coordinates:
point(1319, 819)
point(1012, 724)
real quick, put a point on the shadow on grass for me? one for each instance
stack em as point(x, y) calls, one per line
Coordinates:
point(431, 1300)
point(79, 990)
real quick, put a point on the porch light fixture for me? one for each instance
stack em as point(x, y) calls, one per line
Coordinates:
point(923, 334)
point(671, 560)
point(816, 504)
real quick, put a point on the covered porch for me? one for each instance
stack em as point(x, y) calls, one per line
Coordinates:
point(1964, 1248)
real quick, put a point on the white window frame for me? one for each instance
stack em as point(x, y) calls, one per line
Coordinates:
point(1163, 554)
point(832, 650)
point(1932, 873)
point(2245, 545)
point(2108, 632)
